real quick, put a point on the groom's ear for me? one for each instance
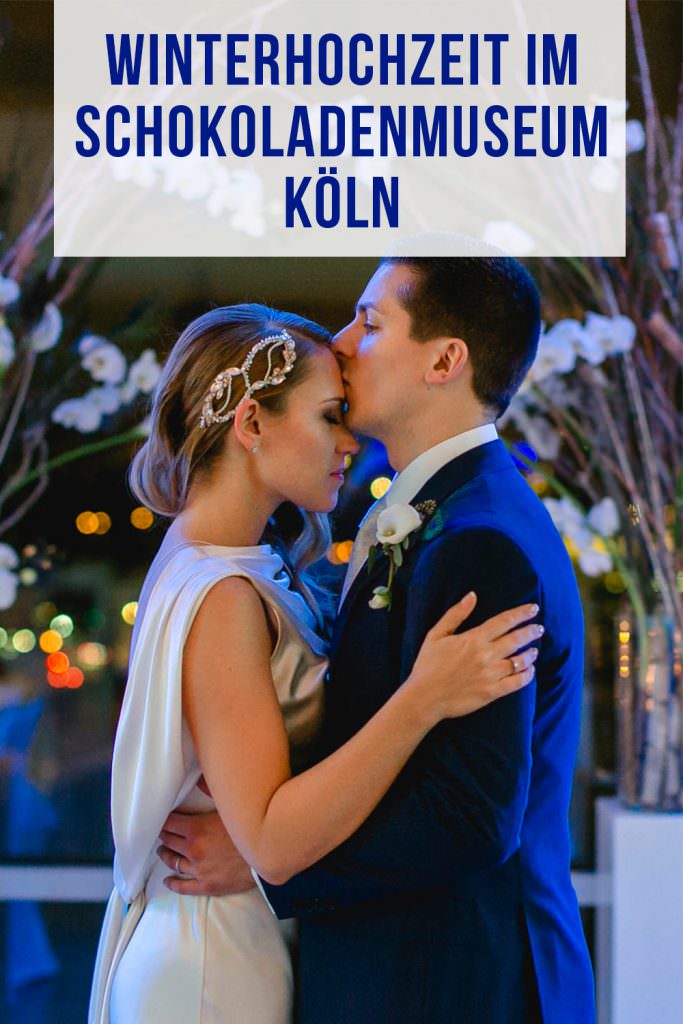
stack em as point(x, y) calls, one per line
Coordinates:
point(450, 356)
point(247, 424)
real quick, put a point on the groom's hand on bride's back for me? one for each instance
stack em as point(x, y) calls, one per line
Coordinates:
point(202, 857)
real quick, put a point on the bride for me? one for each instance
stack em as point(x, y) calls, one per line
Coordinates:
point(246, 455)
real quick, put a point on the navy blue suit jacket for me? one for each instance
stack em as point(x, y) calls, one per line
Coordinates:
point(453, 902)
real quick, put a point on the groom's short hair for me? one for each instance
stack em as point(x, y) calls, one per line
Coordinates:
point(492, 303)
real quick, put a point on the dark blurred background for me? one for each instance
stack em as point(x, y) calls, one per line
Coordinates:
point(54, 765)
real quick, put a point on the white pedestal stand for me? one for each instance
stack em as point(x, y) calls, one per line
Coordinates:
point(639, 939)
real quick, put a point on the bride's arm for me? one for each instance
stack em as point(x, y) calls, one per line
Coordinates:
point(281, 824)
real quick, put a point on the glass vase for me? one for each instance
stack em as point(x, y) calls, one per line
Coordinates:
point(649, 695)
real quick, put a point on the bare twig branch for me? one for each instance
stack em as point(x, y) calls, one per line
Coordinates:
point(650, 107)
point(19, 400)
point(15, 261)
point(19, 513)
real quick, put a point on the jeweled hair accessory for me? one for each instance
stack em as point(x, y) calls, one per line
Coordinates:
point(216, 404)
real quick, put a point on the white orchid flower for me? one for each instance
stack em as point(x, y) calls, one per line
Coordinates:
point(557, 350)
point(106, 398)
point(48, 330)
point(88, 417)
point(604, 518)
point(559, 392)
point(539, 432)
point(144, 374)
point(593, 557)
point(78, 414)
point(592, 350)
point(615, 334)
point(594, 561)
point(6, 344)
point(567, 334)
point(128, 391)
point(9, 559)
point(396, 522)
point(89, 342)
point(635, 136)
point(622, 335)
point(105, 363)
point(569, 520)
point(9, 291)
point(8, 589)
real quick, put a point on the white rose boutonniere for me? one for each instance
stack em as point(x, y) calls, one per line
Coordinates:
point(395, 526)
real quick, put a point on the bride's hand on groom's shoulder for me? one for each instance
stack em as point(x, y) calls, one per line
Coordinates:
point(202, 857)
point(456, 674)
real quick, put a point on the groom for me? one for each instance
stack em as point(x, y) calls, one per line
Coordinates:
point(453, 902)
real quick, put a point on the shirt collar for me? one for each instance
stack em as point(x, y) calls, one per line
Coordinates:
point(412, 479)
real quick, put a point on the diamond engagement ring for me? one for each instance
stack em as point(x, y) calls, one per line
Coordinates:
point(513, 662)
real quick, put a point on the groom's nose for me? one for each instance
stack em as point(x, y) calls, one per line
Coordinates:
point(345, 342)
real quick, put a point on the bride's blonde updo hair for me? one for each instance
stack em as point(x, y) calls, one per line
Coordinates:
point(178, 449)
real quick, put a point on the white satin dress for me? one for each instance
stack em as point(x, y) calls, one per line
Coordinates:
point(165, 958)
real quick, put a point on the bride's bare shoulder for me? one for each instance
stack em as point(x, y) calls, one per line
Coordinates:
point(230, 633)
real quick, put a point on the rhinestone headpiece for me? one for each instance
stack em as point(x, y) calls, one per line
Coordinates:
point(216, 404)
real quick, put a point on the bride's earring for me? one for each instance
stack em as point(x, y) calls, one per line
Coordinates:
point(254, 449)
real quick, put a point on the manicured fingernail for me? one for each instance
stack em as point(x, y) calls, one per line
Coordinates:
point(534, 653)
point(534, 609)
point(540, 630)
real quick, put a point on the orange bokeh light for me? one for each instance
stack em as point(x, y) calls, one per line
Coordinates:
point(103, 523)
point(73, 678)
point(142, 518)
point(50, 641)
point(57, 662)
point(87, 522)
point(343, 550)
point(92, 655)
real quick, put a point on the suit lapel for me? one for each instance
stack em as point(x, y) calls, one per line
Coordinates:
point(487, 458)
point(364, 582)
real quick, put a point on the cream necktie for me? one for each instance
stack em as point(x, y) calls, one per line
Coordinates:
point(365, 538)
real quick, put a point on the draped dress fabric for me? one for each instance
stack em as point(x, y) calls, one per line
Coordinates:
point(164, 958)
